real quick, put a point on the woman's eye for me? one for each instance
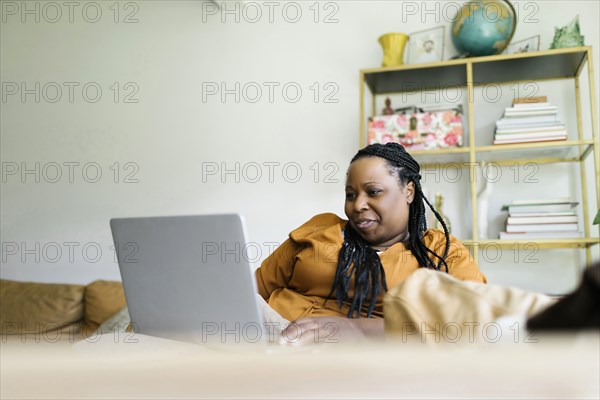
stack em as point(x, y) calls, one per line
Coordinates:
point(374, 192)
point(350, 196)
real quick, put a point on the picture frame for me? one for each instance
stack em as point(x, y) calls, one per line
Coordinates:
point(524, 46)
point(426, 46)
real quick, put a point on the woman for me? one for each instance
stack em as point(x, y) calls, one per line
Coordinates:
point(333, 267)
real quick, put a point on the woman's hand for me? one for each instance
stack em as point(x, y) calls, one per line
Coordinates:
point(330, 330)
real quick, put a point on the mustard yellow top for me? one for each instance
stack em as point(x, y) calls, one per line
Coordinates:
point(297, 277)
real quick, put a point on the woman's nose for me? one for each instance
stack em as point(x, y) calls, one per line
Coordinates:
point(361, 203)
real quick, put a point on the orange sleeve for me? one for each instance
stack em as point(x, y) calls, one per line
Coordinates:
point(276, 270)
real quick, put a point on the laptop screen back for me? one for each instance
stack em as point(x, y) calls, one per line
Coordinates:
point(188, 278)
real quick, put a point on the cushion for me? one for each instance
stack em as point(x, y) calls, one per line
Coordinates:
point(434, 306)
point(103, 299)
point(27, 307)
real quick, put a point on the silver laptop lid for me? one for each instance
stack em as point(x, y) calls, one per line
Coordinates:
point(188, 277)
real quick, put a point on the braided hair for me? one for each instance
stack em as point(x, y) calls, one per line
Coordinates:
point(358, 260)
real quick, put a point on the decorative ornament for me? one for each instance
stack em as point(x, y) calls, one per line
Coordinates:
point(483, 200)
point(483, 27)
point(393, 48)
point(567, 36)
point(388, 110)
point(439, 202)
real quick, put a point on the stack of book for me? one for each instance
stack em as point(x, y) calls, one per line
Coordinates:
point(541, 219)
point(530, 119)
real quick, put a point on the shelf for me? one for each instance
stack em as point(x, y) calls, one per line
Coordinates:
point(509, 154)
point(466, 75)
point(534, 243)
point(566, 150)
point(434, 76)
point(531, 66)
point(455, 155)
point(535, 66)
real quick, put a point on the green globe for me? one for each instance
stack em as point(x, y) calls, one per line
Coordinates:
point(483, 27)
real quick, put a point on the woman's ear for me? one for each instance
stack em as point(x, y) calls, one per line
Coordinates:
point(409, 191)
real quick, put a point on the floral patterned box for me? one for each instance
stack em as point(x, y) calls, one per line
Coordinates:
point(418, 131)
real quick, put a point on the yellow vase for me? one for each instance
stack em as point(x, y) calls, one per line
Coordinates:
point(393, 48)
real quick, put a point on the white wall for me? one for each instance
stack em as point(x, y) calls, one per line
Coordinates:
point(162, 143)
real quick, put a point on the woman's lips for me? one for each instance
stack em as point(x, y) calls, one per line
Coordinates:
point(365, 224)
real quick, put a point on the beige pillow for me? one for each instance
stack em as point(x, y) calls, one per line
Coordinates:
point(434, 307)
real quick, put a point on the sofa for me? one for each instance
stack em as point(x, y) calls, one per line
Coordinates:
point(56, 312)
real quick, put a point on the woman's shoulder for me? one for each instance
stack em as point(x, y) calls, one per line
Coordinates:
point(460, 261)
point(436, 238)
point(325, 225)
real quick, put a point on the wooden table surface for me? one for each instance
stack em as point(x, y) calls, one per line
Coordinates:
point(555, 367)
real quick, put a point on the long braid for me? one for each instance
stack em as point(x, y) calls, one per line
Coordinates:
point(356, 257)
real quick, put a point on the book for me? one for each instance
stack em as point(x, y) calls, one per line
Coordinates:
point(542, 227)
point(542, 214)
point(525, 106)
point(532, 129)
point(528, 107)
point(542, 139)
point(540, 235)
point(529, 127)
point(529, 135)
point(521, 127)
point(505, 124)
point(556, 200)
point(530, 100)
point(533, 106)
point(515, 220)
point(528, 121)
point(528, 113)
point(560, 207)
point(544, 208)
point(526, 139)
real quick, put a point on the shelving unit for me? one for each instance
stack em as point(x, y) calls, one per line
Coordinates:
point(467, 74)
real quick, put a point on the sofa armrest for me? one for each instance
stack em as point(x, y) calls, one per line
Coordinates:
point(34, 308)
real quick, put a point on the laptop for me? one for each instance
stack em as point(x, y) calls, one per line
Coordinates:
point(188, 278)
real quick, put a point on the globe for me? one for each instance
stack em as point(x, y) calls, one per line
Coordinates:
point(483, 27)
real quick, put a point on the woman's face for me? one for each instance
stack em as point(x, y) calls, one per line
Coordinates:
point(376, 204)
